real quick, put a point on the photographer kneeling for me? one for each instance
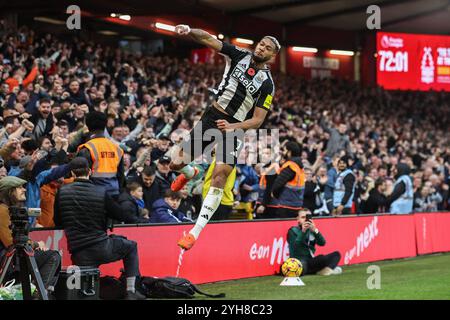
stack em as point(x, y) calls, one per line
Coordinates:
point(302, 240)
point(82, 209)
point(12, 194)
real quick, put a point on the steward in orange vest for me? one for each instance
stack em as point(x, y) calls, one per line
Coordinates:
point(288, 188)
point(104, 156)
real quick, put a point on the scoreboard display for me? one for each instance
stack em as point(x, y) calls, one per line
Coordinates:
point(413, 61)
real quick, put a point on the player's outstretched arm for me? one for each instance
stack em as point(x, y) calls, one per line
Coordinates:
point(199, 36)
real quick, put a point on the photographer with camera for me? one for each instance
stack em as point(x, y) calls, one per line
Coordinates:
point(302, 240)
point(82, 209)
point(13, 194)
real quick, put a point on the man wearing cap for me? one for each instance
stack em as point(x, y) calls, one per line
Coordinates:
point(103, 155)
point(82, 209)
point(243, 99)
point(164, 177)
point(13, 193)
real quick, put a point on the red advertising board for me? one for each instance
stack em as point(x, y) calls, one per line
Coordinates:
point(432, 232)
point(413, 61)
point(235, 250)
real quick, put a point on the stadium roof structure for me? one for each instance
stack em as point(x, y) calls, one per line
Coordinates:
point(412, 16)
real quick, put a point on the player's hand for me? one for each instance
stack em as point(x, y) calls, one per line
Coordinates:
point(260, 210)
point(223, 125)
point(182, 29)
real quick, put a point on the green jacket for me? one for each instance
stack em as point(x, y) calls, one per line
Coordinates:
point(303, 245)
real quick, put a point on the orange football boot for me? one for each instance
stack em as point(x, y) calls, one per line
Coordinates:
point(181, 181)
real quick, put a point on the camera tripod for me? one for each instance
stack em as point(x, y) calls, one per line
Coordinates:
point(22, 250)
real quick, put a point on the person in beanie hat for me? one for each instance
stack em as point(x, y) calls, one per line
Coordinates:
point(13, 193)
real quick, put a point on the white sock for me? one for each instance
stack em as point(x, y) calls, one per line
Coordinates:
point(130, 284)
point(188, 171)
point(209, 206)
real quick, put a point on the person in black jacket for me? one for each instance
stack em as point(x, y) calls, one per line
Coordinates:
point(150, 186)
point(82, 208)
point(376, 202)
point(132, 202)
point(42, 119)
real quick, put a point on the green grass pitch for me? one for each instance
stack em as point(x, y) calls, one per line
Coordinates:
point(424, 277)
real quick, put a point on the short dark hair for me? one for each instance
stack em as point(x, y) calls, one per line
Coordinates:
point(379, 182)
point(42, 139)
point(79, 166)
point(175, 195)
point(45, 100)
point(149, 171)
point(10, 120)
point(133, 185)
point(96, 121)
point(61, 123)
point(29, 145)
point(294, 148)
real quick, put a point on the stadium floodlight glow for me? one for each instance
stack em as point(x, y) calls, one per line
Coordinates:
point(107, 33)
point(125, 17)
point(221, 36)
point(164, 26)
point(49, 20)
point(342, 52)
point(245, 41)
point(305, 49)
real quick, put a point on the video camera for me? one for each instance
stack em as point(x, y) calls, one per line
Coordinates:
point(20, 222)
point(22, 213)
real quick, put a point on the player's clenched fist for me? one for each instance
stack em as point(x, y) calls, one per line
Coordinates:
point(182, 29)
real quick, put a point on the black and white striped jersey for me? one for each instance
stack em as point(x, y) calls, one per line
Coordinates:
point(243, 87)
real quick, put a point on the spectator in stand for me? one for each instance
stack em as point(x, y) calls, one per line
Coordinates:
point(428, 199)
point(164, 177)
point(158, 95)
point(339, 140)
point(42, 119)
point(132, 202)
point(314, 188)
point(151, 188)
point(165, 210)
point(374, 200)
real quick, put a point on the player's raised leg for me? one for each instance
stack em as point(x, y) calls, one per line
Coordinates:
point(210, 204)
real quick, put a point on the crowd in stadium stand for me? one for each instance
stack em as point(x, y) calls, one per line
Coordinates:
point(48, 85)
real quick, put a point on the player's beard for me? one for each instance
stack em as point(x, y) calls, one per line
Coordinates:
point(259, 59)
